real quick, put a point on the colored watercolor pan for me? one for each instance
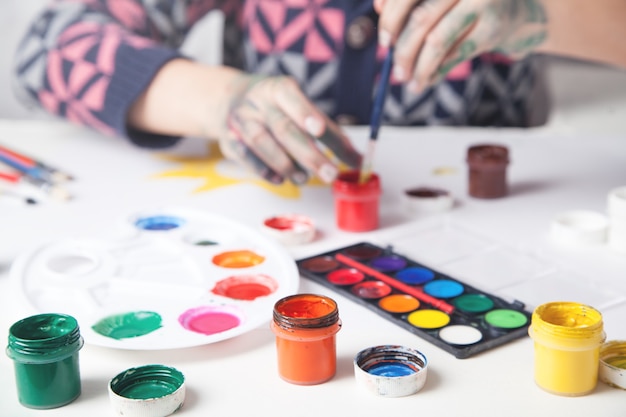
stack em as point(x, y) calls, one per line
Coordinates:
point(174, 278)
point(456, 317)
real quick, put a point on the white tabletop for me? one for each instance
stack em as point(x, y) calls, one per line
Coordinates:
point(552, 171)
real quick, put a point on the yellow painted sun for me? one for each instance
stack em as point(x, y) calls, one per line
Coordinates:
point(217, 171)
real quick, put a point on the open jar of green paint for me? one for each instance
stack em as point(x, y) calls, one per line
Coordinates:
point(44, 349)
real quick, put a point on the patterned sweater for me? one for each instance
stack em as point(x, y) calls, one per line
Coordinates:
point(89, 60)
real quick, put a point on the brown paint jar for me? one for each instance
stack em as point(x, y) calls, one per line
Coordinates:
point(487, 170)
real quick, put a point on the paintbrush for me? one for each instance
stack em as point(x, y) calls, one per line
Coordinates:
point(377, 112)
point(32, 167)
point(45, 187)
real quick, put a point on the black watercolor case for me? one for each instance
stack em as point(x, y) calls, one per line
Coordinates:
point(491, 336)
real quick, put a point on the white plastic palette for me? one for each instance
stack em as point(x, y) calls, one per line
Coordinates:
point(174, 278)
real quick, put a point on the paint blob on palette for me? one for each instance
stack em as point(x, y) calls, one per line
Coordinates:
point(171, 278)
point(452, 315)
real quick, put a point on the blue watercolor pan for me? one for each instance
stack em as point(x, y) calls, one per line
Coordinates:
point(445, 311)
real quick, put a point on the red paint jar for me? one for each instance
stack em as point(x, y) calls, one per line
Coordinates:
point(356, 205)
point(487, 170)
point(305, 326)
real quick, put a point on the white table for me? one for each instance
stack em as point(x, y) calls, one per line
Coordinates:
point(552, 171)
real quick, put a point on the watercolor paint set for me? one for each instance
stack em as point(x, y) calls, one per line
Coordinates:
point(457, 317)
point(162, 278)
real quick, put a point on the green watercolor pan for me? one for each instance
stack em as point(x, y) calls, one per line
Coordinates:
point(457, 317)
point(162, 278)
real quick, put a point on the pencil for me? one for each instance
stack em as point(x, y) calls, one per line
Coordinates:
point(32, 167)
point(392, 282)
point(52, 190)
point(377, 112)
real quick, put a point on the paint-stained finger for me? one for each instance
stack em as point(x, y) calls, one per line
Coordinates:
point(288, 96)
point(458, 55)
point(300, 146)
point(340, 145)
point(420, 22)
point(304, 124)
point(392, 19)
point(256, 164)
point(451, 32)
point(261, 139)
point(234, 148)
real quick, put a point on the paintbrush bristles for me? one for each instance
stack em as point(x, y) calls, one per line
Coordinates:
point(366, 167)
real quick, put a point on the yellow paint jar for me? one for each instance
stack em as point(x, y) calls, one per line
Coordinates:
point(567, 339)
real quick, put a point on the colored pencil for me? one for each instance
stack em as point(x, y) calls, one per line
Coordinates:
point(52, 190)
point(392, 282)
point(32, 167)
point(376, 117)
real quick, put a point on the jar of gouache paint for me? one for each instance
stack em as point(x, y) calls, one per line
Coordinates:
point(487, 170)
point(44, 349)
point(567, 338)
point(356, 204)
point(305, 326)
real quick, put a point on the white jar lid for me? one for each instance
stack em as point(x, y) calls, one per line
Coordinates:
point(427, 200)
point(290, 229)
point(612, 369)
point(579, 227)
point(617, 238)
point(616, 203)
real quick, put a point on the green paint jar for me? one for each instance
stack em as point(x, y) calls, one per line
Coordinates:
point(44, 349)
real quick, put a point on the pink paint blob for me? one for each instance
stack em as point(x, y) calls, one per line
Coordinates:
point(209, 320)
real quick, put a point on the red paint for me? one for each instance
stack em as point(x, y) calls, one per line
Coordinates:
point(246, 287)
point(356, 205)
point(345, 276)
point(308, 307)
point(289, 222)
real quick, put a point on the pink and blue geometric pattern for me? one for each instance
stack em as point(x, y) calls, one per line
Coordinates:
point(88, 60)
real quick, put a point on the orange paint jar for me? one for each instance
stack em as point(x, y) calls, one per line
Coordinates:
point(305, 326)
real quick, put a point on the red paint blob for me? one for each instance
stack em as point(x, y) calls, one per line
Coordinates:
point(246, 287)
point(207, 320)
point(346, 276)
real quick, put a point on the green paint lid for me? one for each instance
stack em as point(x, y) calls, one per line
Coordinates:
point(147, 391)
